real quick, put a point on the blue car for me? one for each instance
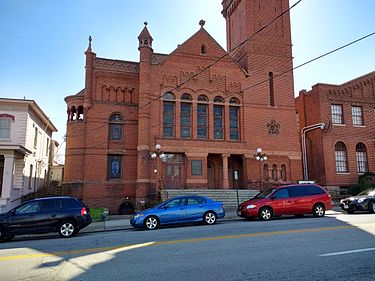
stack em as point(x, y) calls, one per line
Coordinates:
point(180, 209)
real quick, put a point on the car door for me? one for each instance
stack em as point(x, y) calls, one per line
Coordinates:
point(281, 203)
point(22, 220)
point(300, 199)
point(48, 215)
point(196, 206)
point(173, 211)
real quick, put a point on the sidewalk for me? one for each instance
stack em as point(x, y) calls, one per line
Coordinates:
point(122, 222)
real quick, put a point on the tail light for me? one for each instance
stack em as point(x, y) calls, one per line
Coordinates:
point(222, 205)
point(83, 211)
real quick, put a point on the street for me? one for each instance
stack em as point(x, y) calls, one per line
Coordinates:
point(336, 247)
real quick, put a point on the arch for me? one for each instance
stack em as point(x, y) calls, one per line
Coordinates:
point(234, 101)
point(80, 113)
point(202, 98)
point(219, 99)
point(341, 157)
point(283, 173)
point(274, 172)
point(203, 49)
point(186, 97)
point(266, 176)
point(73, 113)
point(116, 124)
point(169, 96)
point(361, 157)
point(115, 117)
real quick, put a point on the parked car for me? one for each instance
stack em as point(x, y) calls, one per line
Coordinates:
point(64, 215)
point(297, 199)
point(364, 201)
point(180, 209)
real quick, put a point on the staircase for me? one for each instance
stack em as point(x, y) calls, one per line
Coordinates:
point(227, 196)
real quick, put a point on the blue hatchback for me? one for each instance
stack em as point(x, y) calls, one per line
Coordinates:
point(180, 209)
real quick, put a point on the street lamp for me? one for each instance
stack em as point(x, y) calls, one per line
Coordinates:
point(154, 155)
point(303, 136)
point(260, 156)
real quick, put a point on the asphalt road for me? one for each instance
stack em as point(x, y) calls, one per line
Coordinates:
point(336, 247)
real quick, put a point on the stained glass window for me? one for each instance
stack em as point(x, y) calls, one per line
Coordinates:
point(168, 119)
point(115, 127)
point(233, 123)
point(218, 122)
point(185, 120)
point(114, 166)
point(202, 121)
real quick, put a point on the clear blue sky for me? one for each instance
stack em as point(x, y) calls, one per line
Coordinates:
point(42, 41)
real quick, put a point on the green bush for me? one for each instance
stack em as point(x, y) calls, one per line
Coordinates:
point(365, 181)
point(97, 213)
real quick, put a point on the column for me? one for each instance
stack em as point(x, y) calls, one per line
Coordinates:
point(225, 171)
point(7, 175)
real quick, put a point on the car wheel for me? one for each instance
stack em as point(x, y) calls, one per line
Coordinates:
point(151, 222)
point(209, 218)
point(371, 206)
point(265, 213)
point(319, 210)
point(67, 229)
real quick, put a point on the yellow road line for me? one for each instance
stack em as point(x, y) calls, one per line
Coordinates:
point(172, 242)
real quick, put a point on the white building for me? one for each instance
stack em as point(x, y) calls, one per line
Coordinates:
point(25, 138)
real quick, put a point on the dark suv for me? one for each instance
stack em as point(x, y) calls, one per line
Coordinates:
point(64, 215)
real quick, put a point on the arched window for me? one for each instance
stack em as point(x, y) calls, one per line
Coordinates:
point(203, 49)
point(185, 116)
point(168, 114)
point(274, 172)
point(361, 155)
point(265, 173)
point(218, 99)
point(283, 172)
point(341, 158)
point(73, 113)
point(218, 118)
point(116, 124)
point(234, 116)
point(80, 113)
point(234, 101)
point(202, 116)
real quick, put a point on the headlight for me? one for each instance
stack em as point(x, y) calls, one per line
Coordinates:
point(250, 206)
point(138, 216)
point(360, 200)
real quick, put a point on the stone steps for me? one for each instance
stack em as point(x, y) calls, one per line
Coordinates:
point(228, 197)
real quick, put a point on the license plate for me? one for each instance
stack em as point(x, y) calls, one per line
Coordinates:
point(346, 207)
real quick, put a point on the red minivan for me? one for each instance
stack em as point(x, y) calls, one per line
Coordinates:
point(296, 199)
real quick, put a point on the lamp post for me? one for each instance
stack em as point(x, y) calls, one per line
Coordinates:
point(158, 153)
point(260, 156)
point(303, 136)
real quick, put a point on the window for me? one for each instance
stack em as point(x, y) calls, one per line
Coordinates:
point(168, 114)
point(218, 99)
point(30, 176)
point(361, 155)
point(357, 116)
point(114, 166)
point(298, 191)
point(195, 201)
point(47, 146)
point(233, 122)
point(203, 49)
point(185, 120)
point(196, 167)
point(341, 158)
point(116, 124)
point(283, 172)
point(336, 113)
point(314, 190)
point(274, 172)
point(71, 204)
point(218, 122)
point(174, 203)
point(49, 205)
point(202, 121)
point(265, 173)
point(27, 208)
point(35, 137)
point(272, 96)
point(5, 128)
point(281, 193)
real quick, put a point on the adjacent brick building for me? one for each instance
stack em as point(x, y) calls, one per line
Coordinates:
point(337, 155)
point(208, 108)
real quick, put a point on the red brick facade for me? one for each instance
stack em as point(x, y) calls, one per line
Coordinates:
point(356, 130)
point(246, 106)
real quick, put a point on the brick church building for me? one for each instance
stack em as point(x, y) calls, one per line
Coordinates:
point(209, 110)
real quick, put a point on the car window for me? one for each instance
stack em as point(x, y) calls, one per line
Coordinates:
point(174, 203)
point(71, 204)
point(281, 193)
point(315, 190)
point(48, 205)
point(195, 201)
point(264, 194)
point(298, 191)
point(27, 208)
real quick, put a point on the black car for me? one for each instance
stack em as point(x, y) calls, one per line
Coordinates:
point(64, 215)
point(364, 201)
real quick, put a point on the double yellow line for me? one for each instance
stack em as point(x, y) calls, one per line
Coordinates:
point(171, 242)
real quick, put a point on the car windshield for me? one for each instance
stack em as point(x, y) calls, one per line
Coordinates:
point(368, 192)
point(264, 194)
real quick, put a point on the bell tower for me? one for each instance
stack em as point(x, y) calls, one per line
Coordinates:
point(270, 43)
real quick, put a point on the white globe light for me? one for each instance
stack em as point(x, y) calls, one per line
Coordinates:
point(259, 150)
point(162, 156)
point(265, 158)
point(257, 158)
point(153, 155)
point(157, 146)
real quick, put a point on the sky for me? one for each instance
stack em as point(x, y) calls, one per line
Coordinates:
point(42, 42)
